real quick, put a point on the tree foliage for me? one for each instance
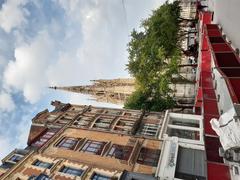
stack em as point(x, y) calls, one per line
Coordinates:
point(154, 55)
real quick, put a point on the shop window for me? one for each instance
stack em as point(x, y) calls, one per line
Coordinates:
point(42, 164)
point(97, 176)
point(71, 171)
point(94, 147)
point(68, 143)
point(191, 164)
point(120, 152)
point(148, 157)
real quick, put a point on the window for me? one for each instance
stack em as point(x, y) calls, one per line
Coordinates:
point(124, 125)
point(184, 122)
point(94, 147)
point(113, 112)
point(190, 164)
point(62, 121)
point(42, 164)
point(157, 116)
point(65, 119)
point(148, 157)
point(236, 170)
point(15, 158)
point(72, 171)
point(120, 152)
point(132, 114)
point(43, 139)
point(68, 143)
point(97, 176)
point(183, 133)
point(149, 129)
point(40, 177)
point(103, 123)
point(95, 110)
point(84, 121)
point(51, 117)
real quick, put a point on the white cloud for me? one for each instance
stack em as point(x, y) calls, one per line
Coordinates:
point(27, 73)
point(6, 102)
point(13, 14)
point(3, 63)
point(22, 131)
point(6, 146)
point(93, 46)
point(102, 48)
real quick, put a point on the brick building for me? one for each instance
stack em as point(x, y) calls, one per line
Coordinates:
point(85, 142)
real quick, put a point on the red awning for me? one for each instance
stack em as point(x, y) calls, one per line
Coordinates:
point(218, 171)
point(214, 32)
point(221, 47)
point(199, 96)
point(207, 126)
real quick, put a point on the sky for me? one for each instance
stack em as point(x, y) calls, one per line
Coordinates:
point(59, 43)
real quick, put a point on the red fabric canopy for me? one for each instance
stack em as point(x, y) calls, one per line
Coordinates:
point(218, 171)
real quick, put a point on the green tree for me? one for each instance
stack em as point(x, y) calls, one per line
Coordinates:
point(154, 55)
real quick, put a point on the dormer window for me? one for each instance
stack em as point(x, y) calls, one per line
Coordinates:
point(15, 158)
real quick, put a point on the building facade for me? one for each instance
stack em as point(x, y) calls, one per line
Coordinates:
point(85, 142)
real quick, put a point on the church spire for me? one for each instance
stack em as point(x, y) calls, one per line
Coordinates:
point(105, 90)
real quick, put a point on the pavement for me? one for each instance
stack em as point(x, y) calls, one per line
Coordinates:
point(227, 15)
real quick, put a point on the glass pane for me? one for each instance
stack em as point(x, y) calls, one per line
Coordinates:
point(182, 133)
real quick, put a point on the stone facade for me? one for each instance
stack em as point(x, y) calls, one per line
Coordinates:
point(86, 142)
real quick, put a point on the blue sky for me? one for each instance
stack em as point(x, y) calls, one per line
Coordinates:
point(58, 42)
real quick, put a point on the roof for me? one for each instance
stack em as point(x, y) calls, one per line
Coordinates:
point(35, 132)
point(41, 116)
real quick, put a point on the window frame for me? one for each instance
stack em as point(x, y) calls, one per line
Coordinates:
point(115, 151)
point(98, 176)
point(15, 155)
point(149, 157)
point(44, 138)
point(64, 144)
point(150, 129)
point(93, 146)
point(42, 164)
point(71, 171)
point(103, 123)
